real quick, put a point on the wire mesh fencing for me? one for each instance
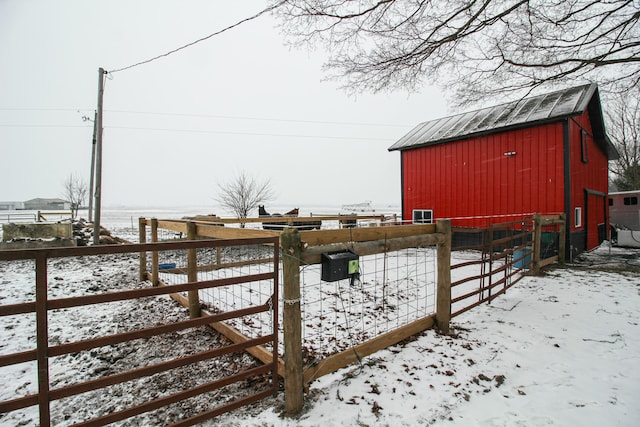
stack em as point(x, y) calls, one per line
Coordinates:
point(391, 290)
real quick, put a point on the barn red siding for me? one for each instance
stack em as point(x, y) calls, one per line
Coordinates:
point(589, 180)
point(474, 178)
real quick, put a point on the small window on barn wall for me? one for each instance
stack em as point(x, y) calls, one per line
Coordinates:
point(610, 202)
point(577, 217)
point(422, 216)
point(583, 146)
point(628, 201)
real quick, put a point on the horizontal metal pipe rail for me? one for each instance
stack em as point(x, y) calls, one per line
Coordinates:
point(42, 305)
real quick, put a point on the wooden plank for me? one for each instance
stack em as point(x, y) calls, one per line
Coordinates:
point(217, 232)
point(323, 237)
point(354, 354)
point(192, 272)
point(284, 219)
point(562, 242)
point(548, 261)
point(292, 322)
point(173, 225)
point(443, 294)
point(142, 236)
point(312, 254)
point(42, 339)
point(154, 255)
point(537, 243)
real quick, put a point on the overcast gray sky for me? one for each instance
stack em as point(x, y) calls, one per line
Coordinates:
point(176, 127)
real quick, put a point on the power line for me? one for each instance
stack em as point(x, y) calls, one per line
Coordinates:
point(43, 126)
point(43, 109)
point(248, 133)
point(266, 119)
point(217, 116)
point(230, 27)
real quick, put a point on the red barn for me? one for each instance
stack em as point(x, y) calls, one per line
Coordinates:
point(545, 154)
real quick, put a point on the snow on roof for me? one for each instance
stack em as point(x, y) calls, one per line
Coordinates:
point(523, 112)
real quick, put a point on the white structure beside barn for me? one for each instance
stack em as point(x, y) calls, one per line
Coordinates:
point(624, 212)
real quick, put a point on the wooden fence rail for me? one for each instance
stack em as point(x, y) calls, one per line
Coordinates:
point(510, 243)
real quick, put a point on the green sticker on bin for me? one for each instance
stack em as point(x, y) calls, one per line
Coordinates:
point(354, 266)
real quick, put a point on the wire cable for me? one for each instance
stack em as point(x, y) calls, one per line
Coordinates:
point(230, 27)
point(265, 119)
point(358, 138)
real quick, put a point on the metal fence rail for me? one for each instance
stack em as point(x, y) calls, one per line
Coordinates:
point(44, 352)
point(500, 256)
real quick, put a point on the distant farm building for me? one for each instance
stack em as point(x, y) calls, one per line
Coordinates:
point(47, 204)
point(11, 206)
point(544, 154)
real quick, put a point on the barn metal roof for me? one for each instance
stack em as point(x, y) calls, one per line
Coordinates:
point(521, 113)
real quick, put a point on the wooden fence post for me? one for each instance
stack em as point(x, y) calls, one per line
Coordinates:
point(142, 237)
point(155, 280)
point(443, 296)
point(562, 244)
point(292, 321)
point(192, 272)
point(537, 243)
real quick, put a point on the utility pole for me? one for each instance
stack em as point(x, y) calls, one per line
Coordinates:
point(98, 127)
point(93, 167)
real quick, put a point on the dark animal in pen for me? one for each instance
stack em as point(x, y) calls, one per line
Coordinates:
point(280, 225)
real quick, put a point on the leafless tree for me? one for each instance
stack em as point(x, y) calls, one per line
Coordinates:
point(75, 192)
point(243, 193)
point(482, 48)
point(624, 130)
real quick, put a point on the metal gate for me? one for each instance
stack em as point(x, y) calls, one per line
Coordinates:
point(500, 255)
point(44, 354)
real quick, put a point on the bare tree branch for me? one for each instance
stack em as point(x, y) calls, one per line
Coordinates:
point(243, 193)
point(478, 47)
point(624, 130)
point(75, 192)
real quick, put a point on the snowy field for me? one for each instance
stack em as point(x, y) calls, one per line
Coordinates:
point(562, 349)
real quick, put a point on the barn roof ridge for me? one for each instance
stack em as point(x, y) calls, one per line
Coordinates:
point(523, 112)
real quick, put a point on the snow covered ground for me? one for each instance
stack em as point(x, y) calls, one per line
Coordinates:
point(562, 349)
point(558, 350)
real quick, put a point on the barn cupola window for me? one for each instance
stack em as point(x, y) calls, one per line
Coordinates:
point(422, 216)
point(584, 144)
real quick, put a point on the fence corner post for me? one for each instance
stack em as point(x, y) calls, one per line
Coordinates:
point(562, 242)
point(142, 238)
point(537, 243)
point(443, 295)
point(192, 272)
point(155, 276)
point(292, 321)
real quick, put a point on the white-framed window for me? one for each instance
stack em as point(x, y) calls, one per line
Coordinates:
point(422, 216)
point(577, 217)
